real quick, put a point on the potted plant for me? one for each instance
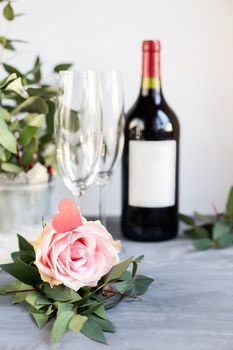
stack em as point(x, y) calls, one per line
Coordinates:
point(27, 148)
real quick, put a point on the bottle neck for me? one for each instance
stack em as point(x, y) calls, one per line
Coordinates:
point(151, 80)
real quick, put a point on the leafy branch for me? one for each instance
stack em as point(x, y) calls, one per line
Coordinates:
point(83, 311)
point(211, 231)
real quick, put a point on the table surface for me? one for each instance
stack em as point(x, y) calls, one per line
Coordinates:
point(188, 307)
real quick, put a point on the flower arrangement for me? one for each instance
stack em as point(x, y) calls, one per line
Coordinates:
point(27, 110)
point(72, 273)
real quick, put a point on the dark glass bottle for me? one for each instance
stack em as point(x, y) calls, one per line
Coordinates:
point(150, 159)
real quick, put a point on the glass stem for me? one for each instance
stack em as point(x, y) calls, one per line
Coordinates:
point(102, 207)
point(78, 198)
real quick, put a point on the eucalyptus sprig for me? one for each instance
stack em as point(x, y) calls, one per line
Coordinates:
point(27, 108)
point(211, 231)
point(83, 311)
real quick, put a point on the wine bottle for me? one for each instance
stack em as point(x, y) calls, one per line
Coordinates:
point(150, 159)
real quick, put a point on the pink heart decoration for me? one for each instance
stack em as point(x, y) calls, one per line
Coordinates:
point(68, 217)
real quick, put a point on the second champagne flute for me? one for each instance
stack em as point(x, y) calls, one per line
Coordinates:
point(113, 132)
point(78, 129)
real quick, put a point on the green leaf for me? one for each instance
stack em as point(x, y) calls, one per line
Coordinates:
point(8, 12)
point(24, 244)
point(42, 300)
point(27, 134)
point(135, 267)
point(188, 220)
point(141, 284)
point(28, 152)
point(17, 87)
point(60, 293)
point(36, 71)
point(225, 241)
point(101, 312)
point(105, 325)
point(203, 244)
point(7, 139)
point(14, 126)
point(62, 66)
point(12, 70)
point(62, 307)
point(117, 270)
point(76, 323)
point(7, 80)
point(19, 297)
point(31, 299)
point(203, 218)
point(50, 117)
point(26, 256)
point(41, 319)
point(124, 286)
point(127, 275)
point(4, 114)
point(34, 104)
point(220, 229)
point(92, 330)
point(60, 325)
point(44, 92)
point(23, 272)
point(34, 119)
point(14, 286)
point(11, 168)
point(4, 154)
point(229, 206)
point(139, 258)
point(7, 43)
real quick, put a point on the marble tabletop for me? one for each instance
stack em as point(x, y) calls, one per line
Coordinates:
point(188, 307)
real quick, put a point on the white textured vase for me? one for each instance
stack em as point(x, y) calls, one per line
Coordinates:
point(24, 205)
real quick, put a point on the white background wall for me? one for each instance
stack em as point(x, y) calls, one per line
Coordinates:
point(197, 59)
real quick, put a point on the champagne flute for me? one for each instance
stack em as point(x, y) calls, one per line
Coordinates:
point(78, 129)
point(113, 132)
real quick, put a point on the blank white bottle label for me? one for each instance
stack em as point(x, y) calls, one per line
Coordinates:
point(152, 173)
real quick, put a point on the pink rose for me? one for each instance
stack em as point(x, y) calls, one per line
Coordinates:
point(74, 251)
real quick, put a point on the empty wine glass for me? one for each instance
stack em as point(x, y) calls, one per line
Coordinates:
point(78, 129)
point(113, 135)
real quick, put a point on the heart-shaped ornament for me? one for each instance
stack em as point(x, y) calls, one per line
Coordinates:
point(68, 217)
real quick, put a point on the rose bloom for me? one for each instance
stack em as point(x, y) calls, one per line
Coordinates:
point(73, 251)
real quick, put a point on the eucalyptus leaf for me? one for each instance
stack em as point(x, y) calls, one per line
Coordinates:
point(62, 307)
point(4, 154)
point(11, 168)
point(105, 325)
point(60, 293)
point(60, 325)
point(41, 319)
point(12, 70)
point(44, 92)
point(34, 119)
point(188, 220)
point(62, 66)
point(7, 139)
point(141, 284)
point(125, 286)
point(27, 134)
point(225, 241)
point(229, 206)
point(220, 229)
point(17, 87)
point(101, 312)
point(19, 297)
point(34, 104)
point(92, 330)
point(4, 114)
point(117, 270)
point(203, 243)
point(14, 286)
point(76, 323)
point(8, 12)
